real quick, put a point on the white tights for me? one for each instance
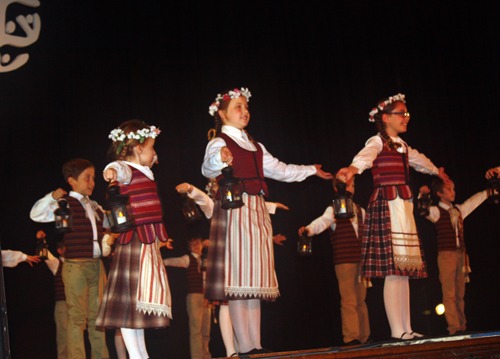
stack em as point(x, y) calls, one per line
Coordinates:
point(135, 343)
point(226, 329)
point(245, 314)
point(397, 306)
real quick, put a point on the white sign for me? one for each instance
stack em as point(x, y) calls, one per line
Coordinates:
point(30, 24)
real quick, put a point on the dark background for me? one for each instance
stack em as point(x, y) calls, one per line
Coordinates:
point(315, 70)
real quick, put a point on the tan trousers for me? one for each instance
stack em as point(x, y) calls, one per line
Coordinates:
point(81, 286)
point(61, 319)
point(452, 280)
point(353, 309)
point(199, 326)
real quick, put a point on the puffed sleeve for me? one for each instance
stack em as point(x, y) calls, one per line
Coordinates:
point(212, 163)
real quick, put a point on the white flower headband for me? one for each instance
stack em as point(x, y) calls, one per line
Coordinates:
point(382, 105)
point(118, 135)
point(214, 107)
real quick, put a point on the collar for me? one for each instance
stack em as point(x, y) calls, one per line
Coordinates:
point(76, 195)
point(444, 206)
point(144, 169)
point(195, 255)
point(234, 132)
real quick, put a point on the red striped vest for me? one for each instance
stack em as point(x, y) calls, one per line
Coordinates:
point(390, 172)
point(58, 283)
point(247, 166)
point(146, 207)
point(346, 246)
point(79, 243)
point(446, 234)
point(194, 276)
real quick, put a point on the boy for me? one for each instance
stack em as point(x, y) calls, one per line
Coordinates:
point(345, 236)
point(197, 308)
point(452, 259)
point(83, 274)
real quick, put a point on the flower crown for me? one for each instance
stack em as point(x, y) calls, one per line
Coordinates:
point(382, 105)
point(214, 107)
point(118, 135)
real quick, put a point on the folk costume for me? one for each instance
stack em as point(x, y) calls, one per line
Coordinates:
point(241, 257)
point(345, 237)
point(391, 246)
point(138, 295)
point(83, 273)
point(453, 261)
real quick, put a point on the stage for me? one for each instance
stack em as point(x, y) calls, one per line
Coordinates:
point(476, 345)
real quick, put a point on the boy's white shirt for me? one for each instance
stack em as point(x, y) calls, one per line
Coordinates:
point(328, 220)
point(182, 261)
point(273, 168)
point(43, 211)
point(418, 161)
point(465, 209)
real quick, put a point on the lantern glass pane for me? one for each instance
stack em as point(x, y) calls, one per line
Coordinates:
point(120, 214)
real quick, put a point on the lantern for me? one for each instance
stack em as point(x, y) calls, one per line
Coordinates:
point(118, 211)
point(304, 245)
point(230, 190)
point(343, 204)
point(493, 188)
point(189, 209)
point(63, 217)
point(42, 248)
point(424, 202)
point(204, 259)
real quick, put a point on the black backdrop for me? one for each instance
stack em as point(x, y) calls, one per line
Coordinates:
point(315, 70)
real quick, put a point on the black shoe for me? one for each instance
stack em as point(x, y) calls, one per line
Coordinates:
point(264, 351)
point(369, 341)
point(251, 352)
point(233, 355)
point(353, 342)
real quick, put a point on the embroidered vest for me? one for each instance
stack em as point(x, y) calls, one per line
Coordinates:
point(194, 276)
point(390, 172)
point(146, 208)
point(446, 234)
point(58, 283)
point(346, 246)
point(247, 166)
point(79, 243)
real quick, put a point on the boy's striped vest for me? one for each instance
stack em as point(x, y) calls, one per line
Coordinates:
point(346, 246)
point(194, 276)
point(446, 234)
point(79, 243)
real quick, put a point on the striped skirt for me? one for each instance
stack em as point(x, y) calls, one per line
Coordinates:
point(391, 245)
point(128, 301)
point(241, 256)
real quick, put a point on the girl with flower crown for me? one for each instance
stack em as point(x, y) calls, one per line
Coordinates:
point(240, 259)
point(137, 295)
point(391, 246)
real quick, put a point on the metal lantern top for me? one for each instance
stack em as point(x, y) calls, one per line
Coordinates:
point(230, 190)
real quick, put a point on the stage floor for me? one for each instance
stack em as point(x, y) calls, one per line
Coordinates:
point(474, 345)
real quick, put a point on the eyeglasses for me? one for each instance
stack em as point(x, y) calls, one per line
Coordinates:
point(404, 114)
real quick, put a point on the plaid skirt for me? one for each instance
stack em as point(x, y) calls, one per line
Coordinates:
point(119, 304)
point(377, 259)
point(240, 254)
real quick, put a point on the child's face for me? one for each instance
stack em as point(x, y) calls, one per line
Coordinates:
point(146, 152)
point(237, 114)
point(448, 194)
point(196, 246)
point(396, 124)
point(85, 182)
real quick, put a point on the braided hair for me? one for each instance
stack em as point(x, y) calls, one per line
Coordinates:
point(380, 125)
